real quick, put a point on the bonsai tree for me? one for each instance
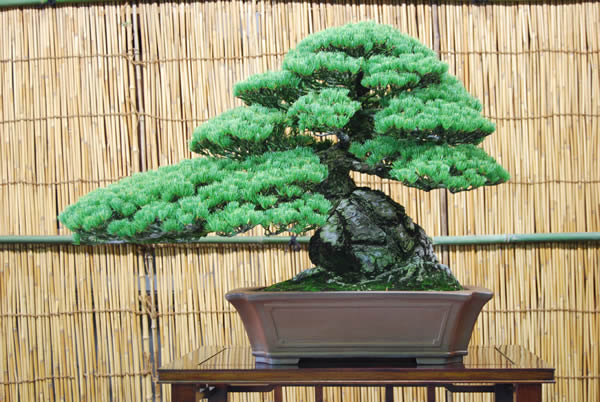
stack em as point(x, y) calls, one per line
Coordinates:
point(359, 98)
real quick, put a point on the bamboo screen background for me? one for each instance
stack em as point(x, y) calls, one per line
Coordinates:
point(93, 93)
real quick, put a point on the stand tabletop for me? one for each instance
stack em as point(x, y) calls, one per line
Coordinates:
point(236, 365)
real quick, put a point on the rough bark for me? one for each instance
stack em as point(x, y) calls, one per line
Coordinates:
point(369, 239)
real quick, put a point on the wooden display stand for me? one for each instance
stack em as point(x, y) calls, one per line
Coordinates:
point(510, 372)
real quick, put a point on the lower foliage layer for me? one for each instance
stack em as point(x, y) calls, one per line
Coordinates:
point(186, 201)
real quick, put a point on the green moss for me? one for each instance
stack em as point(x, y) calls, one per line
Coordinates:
point(317, 283)
point(325, 281)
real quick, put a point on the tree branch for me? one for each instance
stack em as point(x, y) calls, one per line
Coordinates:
point(377, 170)
point(342, 136)
point(323, 134)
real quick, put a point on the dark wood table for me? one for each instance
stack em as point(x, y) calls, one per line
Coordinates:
point(510, 372)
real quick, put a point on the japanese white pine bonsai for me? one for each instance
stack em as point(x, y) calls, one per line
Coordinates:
point(364, 98)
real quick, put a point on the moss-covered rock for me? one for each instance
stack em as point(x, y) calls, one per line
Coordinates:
point(317, 279)
point(368, 240)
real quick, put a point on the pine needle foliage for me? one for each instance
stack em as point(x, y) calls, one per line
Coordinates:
point(205, 195)
point(326, 111)
point(381, 99)
point(245, 131)
point(429, 166)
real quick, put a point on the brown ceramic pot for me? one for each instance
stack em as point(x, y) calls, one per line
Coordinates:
point(433, 327)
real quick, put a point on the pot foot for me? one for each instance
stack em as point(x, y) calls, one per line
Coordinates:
point(283, 361)
point(431, 361)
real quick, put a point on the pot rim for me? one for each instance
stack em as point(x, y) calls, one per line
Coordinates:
point(256, 293)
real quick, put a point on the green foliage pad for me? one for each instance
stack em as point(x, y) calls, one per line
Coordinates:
point(203, 195)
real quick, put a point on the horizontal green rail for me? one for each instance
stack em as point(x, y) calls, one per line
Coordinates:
point(517, 238)
point(439, 240)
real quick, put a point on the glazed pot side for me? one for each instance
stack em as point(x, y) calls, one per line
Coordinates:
point(433, 327)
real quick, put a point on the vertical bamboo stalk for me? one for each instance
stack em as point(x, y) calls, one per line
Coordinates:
point(139, 103)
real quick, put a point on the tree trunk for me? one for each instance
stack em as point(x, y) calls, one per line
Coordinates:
point(369, 241)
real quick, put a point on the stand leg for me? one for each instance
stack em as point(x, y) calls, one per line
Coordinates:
point(219, 394)
point(319, 393)
point(389, 393)
point(278, 393)
point(430, 393)
point(528, 393)
point(503, 393)
point(183, 393)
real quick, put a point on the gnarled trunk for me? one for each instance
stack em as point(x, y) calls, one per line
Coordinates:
point(368, 239)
